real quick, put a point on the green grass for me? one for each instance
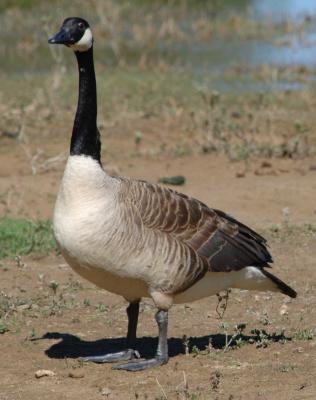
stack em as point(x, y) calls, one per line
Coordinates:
point(3, 327)
point(303, 334)
point(21, 237)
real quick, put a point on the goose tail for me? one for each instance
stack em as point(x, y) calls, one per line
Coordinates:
point(282, 286)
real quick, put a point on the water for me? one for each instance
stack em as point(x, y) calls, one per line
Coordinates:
point(226, 62)
point(282, 50)
point(282, 10)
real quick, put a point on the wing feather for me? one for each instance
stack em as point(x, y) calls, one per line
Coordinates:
point(224, 242)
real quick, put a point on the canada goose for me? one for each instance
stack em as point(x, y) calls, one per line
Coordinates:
point(138, 239)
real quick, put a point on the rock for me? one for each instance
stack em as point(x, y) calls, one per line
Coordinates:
point(106, 391)
point(283, 310)
point(236, 114)
point(173, 180)
point(76, 374)
point(265, 171)
point(266, 164)
point(298, 350)
point(240, 174)
point(23, 307)
point(44, 372)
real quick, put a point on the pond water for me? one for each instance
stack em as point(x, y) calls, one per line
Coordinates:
point(278, 51)
point(279, 55)
point(280, 10)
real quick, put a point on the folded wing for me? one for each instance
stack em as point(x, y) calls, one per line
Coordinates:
point(217, 237)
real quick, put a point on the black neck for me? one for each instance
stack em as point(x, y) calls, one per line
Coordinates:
point(85, 139)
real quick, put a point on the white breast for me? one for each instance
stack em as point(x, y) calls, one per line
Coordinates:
point(87, 228)
point(85, 208)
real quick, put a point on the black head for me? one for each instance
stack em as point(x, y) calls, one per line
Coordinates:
point(75, 33)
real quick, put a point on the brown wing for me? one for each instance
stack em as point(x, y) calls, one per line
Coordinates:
point(217, 237)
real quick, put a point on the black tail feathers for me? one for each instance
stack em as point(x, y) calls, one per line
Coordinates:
point(284, 288)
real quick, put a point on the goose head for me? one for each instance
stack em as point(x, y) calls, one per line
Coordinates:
point(75, 33)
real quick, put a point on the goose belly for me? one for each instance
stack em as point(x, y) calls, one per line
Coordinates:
point(130, 288)
point(97, 257)
point(93, 249)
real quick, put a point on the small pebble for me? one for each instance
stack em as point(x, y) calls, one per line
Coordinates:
point(106, 391)
point(76, 374)
point(298, 350)
point(23, 307)
point(266, 164)
point(283, 310)
point(44, 372)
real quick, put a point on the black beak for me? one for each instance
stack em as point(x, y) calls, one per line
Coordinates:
point(62, 37)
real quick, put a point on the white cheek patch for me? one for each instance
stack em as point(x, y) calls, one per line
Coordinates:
point(84, 43)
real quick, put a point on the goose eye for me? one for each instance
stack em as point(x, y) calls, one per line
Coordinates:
point(81, 25)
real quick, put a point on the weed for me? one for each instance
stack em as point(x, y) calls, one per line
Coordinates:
point(54, 286)
point(195, 351)
point(222, 303)
point(185, 393)
point(264, 319)
point(74, 286)
point(11, 308)
point(215, 380)
point(21, 237)
point(303, 334)
point(240, 341)
point(6, 305)
point(32, 334)
point(287, 367)
point(262, 338)
point(138, 136)
point(300, 127)
point(186, 344)
point(236, 338)
point(86, 302)
point(102, 307)
point(4, 267)
point(182, 151)
point(3, 327)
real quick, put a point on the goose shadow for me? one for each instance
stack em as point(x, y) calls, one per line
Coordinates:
point(71, 346)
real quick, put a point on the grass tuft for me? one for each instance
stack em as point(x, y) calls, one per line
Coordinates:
point(303, 334)
point(3, 327)
point(21, 237)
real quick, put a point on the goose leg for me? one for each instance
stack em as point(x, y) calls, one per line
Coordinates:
point(130, 353)
point(162, 349)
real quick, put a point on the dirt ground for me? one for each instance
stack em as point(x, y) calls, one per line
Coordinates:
point(156, 121)
point(56, 317)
